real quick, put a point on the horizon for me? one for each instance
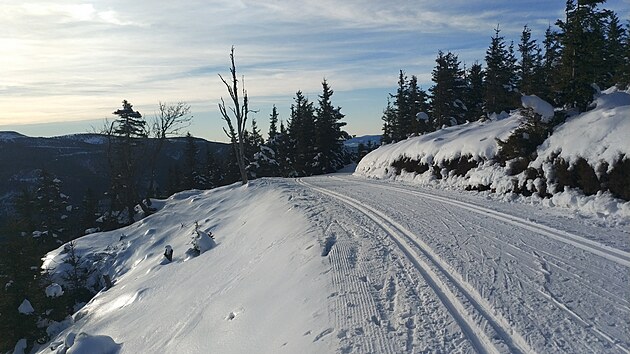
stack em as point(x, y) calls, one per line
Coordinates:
point(68, 65)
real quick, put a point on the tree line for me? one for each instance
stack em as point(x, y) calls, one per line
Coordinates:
point(587, 50)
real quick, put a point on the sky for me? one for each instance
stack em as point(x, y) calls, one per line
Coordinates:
point(67, 65)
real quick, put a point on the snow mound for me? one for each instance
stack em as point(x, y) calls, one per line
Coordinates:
point(598, 136)
point(84, 343)
point(539, 106)
point(54, 290)
point(477, 139)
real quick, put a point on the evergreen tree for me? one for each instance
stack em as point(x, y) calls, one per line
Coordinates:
point(302, 134)
point(613, 55)
point(89, 210)
point(329, 136)
point(448, 91)
point(253, 144)
point(530, 64)
point(51, 206)
point(273, 123)
point(127, 134)
point(550, 64)
point(500, 84)
point(402, 123)
point(389, 117)
point(582, 40)
point(473, 98)
point(416, 99)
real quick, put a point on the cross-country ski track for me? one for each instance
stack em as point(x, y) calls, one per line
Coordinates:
point(502, 283)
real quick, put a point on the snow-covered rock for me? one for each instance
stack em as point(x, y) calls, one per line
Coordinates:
point(539, 106)
point(26, 308)
point(93, 344)
point(54, 290)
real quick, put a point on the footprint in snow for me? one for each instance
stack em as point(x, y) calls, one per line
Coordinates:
point(323, 334)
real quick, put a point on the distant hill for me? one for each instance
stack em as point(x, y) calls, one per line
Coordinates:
point(78, 160)
point(354, 142)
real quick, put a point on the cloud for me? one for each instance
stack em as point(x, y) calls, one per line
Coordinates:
point(61, 58)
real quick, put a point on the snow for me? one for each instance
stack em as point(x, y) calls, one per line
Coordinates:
point(477, 139)
point(26, 308)
point(20, 346)
point(345, 264)
point(539, 106)
point(54, 290)
point(599, 135)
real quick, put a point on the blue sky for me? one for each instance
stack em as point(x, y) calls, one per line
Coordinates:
point(66, 65)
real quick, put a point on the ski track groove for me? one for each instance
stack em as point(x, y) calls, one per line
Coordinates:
point(471, 311)
point(618, 256)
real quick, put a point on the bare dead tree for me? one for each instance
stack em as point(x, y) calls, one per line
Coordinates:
point(239, 111)
point(170, 121)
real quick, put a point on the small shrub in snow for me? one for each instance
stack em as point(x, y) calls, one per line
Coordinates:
point(201, 241)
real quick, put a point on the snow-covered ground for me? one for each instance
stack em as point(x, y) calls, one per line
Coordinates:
point(344, 264)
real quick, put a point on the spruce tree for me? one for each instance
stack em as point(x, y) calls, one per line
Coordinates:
point(273, 123)
point(389, 118)
point(329, 136)
point(447, 93)
point(500, 84)
point(301, 131)
point(582, 40)
point(127, 134)
point(402, 123)
point(550, 64)
point(473, 98)
point(416, 99)
point(613, 55)
point(529, 65)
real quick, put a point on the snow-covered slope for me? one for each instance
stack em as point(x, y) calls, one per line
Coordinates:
point(260, 290)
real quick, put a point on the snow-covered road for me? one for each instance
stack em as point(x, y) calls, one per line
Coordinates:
point(421, 270)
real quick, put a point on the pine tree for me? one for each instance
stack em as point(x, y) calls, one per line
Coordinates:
point(389, 117)
point(473, 98)
point(500, 84)
point(402, 124)
point(613, 55)
point(302, 134)
point(273, 123)
point(447, 93)
point(127, 134)
point(329, 136)
point(582, 40)
point(416, 99)
point(550, 64)
point(211, 171)
point(530, 64)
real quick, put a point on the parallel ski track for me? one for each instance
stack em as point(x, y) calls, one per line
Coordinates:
point(487, 331)
point(612, 254)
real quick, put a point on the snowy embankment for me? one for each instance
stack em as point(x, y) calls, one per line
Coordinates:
point(234, 298)
point(598, 137)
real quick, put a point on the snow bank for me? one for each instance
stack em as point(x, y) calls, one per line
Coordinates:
point(262, 289)
point(598, 136)
point(477, 139)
